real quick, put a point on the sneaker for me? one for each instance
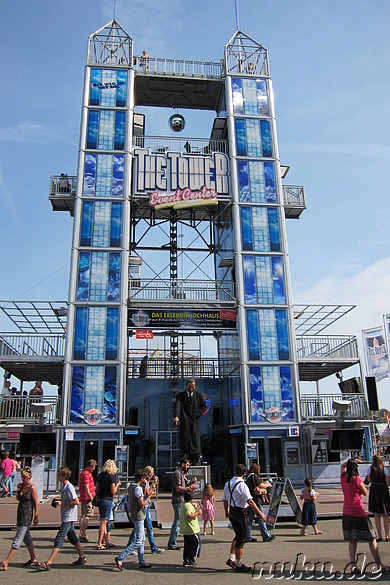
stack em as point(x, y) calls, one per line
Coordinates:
point(158, 551)
point(133, 553)
point(84, 539)
point(272, 537)
point(173, 547)
point(252, 540)
point(231, 564)
point(243, 569)
point(146, 566)
point(213, 532)
point(187, 563)
point(204, 533)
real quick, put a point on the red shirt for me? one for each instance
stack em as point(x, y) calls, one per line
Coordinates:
point(353, 505)
point(86, 478)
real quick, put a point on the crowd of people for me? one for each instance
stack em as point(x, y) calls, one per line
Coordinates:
point(243, 498)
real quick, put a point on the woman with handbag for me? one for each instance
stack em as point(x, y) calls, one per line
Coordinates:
point(106, 488)
point(258, 490)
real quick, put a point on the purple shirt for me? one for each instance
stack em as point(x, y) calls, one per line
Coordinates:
point(7, 466)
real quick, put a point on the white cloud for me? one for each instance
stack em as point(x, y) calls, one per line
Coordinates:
point(28, 131)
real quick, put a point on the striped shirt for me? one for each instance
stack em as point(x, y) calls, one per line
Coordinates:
point(86, 478)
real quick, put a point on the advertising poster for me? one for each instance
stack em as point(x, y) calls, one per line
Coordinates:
point(375, 350)
point(38, 474)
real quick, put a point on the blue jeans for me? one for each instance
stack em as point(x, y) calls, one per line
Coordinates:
point(66, 530)
point(136, 543)
point(149, 530)
point(175, 528)
point(263, 528)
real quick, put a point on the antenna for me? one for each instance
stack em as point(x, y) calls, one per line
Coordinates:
point(115, 5)
point(237, 16)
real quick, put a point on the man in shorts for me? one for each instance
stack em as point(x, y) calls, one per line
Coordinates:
point(86, 494)
point(236, 502)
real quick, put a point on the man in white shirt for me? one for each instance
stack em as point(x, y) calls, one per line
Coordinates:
point(236, 502)
point(7, 389)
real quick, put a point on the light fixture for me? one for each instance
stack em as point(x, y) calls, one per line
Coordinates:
point(341, 405)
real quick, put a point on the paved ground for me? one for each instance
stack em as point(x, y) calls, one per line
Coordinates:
point(288, 548)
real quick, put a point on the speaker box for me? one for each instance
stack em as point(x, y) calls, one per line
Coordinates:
point(372, 394)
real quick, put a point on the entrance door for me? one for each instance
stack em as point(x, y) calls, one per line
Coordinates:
point(91, 451)
point(108, 450)
point(72, 459)
point(275, 451)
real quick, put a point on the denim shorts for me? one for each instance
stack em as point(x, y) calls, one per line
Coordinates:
point(66, 530)
point(105, 508)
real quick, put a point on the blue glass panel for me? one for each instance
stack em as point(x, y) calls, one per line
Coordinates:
point(262, 98)
point(278, 281)
point(256, 394)
point(249, 280)
point(243, 181)
point(266, 138)
point(112, 334)
point(80, 333)
point(250, 97)
point(83, 276)
point(273, 226)
point(282, 332)
point(109, 408)
point(89, 175)
point(240, 137)
point(116, 225)
point(270, 188)
point(117, 176)
point(94, 94)
point(120, 121)
point(121, 91)
point(86, 224)
point(238, 107)
point(76, 403)
point(253, 334)
point(268, 336)
point(114, 276)
point(92, 131)
point(287, 393)
point(246, 228)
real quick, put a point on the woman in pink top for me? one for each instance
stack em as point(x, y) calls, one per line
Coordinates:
point(7, 467)
point(356, 524)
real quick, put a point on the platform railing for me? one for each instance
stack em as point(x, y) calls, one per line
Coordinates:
point(62, 186)
point(294, 195)
point(32, 345)
point(190, 146)
point(317, 347)
point(320, 407)
point(161, 368)
point(180, 289)
point(18, 408)
point(177, 67)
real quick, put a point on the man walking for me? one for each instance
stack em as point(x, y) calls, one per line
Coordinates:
point(189, 407)
point(86, 494)
point(179, 487)
point(236, 502)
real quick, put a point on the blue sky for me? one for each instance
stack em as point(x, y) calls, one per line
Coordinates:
point(330, 66)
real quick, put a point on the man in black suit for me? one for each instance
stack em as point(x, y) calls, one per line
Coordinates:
point(189, 407)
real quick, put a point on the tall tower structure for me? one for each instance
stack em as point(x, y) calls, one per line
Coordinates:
point(213, 205)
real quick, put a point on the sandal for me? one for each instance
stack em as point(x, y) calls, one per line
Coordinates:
point(118, 563)
point(100, 547)
point(44, 566)
point(318, 532)
point(31, 563)
point(79, 561)
point(3, 567)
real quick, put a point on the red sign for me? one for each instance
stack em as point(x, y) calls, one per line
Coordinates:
point(228, 315)
point(144, 334)
point(13, 434)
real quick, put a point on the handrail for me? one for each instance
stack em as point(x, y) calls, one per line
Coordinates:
point(321, 406)
point(18, 408)
point(317, 347)
point(191, 146)
point(178, 67)
point(180, 289)
point(32, 345)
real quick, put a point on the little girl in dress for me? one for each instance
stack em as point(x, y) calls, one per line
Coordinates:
point(309, 513)
point(208, 507)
